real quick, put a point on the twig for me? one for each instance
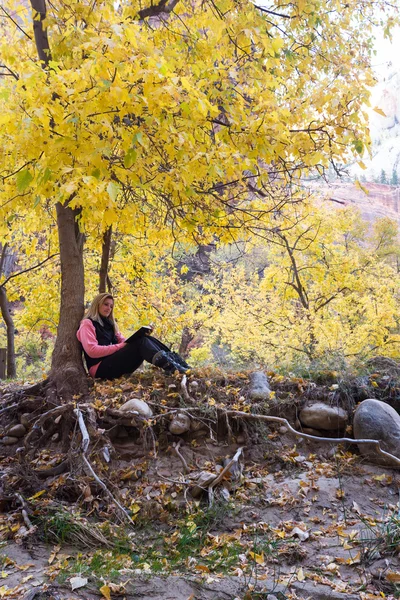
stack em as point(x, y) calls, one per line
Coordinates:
point(9, 407)
point(375, 443)
point(175, 448)
point(221, 475)
point(27, 521)
point(85, 446)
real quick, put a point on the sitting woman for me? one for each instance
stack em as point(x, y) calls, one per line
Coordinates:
point(107, 354)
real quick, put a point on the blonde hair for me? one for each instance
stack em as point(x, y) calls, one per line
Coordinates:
point(93, 310)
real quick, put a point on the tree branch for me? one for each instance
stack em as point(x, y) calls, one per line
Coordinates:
point(29, 269)
point(157, 9)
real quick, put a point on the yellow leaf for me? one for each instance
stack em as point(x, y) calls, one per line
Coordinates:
point(105, 590)
point(37, 495)
point(203, 568)
point(134, 508)
point(300, 574)
point(379, 111)
point(258, 558)
point(393, 576)
point(361, 187)
point(362, 165)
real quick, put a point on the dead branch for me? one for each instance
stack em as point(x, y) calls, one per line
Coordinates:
point(175, 448)
point(221, 475)
point(84, 431)
point(31, 528)
point(185, 390)
point(375, 443)
point(85, 446)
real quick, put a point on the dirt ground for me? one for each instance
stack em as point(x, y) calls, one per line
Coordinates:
point(309, 523)
point(291, 518)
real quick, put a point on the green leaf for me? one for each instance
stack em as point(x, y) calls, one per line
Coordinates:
point(37, 200)
point(96, 173)
point(358, 146)
point(46, 175)
point(130, 158)
point(23, 179)
point(137, 138)
point(113, 190)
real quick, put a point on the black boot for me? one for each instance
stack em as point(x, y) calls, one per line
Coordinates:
point(170, 362)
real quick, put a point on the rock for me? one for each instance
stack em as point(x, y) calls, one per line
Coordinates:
point(202, 483)
point(17, 431)
point(311, 431)
point(180, 424)
point(377, 420)
point(196, 425)
point(300, 459)
point(259, 386)
point(24, 418)
point(136, 405)
point(8, 440)
point(323, 416)
point(283, 429)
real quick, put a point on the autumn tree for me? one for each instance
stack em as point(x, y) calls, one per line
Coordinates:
point(323, 294)
point(186, 116)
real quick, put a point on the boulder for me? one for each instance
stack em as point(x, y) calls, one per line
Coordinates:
point(259, 386)
point(136, 405)
point(17, 431)
point(323, 416)
point(9, 440)
point(180, 424)
point(377, 420)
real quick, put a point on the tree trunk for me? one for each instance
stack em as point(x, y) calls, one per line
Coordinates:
point(5, 313)
point(67, 372)
point(105, 259)
point(41, 39)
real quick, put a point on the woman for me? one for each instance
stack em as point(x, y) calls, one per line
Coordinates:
point(106, 353)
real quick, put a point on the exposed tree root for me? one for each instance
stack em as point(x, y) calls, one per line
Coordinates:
point(374, 443)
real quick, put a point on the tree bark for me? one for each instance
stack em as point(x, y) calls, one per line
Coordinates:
point(5, 313)
point(67, 372)
point(41, 39)
point(105, 259)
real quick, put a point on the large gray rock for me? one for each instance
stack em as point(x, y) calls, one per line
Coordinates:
point(259, 386)
point(377, 420)
point(323, 416)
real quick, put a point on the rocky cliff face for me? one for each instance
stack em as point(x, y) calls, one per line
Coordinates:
point(381, 200)
point(385, 128)
point(384, 165)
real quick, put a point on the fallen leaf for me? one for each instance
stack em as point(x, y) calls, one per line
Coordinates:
point(259, 558)
point(78, 582)
point(302, 535)
point(203, 568)
point(300, 574)
point(393, 576)
point(105, 590)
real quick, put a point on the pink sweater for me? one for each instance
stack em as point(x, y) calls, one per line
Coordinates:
point(86, 334)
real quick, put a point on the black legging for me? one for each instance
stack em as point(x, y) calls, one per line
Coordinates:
point(129, 358)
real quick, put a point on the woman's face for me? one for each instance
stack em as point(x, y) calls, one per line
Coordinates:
point(105, 308)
